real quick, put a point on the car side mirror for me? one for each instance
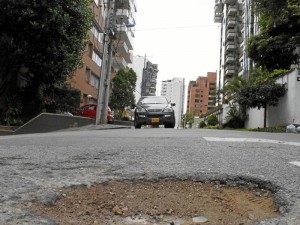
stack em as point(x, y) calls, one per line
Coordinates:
point(173, 104)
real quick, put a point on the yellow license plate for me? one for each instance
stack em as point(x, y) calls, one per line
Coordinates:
point(154, 120)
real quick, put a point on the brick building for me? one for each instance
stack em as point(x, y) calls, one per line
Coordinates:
point(87, 78)
point(202, 94)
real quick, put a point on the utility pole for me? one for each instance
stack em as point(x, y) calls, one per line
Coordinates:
point(105, 76)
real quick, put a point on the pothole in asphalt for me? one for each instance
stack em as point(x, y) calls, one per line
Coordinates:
point(165, 202)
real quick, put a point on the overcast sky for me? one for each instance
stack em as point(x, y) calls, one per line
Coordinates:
point(178, 35)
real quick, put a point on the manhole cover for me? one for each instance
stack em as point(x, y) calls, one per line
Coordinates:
point(165, 202)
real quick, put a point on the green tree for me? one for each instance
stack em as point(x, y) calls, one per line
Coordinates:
point(187, 118)
point(235, 85)
point(123, 86)
point(274, 47)
point(261, 95)
point(41, 43)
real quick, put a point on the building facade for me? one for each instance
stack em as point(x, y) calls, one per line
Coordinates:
point(174, 91)
point(237, 25)
point(202, 94)
point(149, 79)
point(87, 78)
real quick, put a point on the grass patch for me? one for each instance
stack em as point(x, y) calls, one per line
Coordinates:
point(268, 129)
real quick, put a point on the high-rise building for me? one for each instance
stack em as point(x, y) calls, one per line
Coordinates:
point(237, 25)
point(174, 91)
point(138, 65)
point(202, 94)
point(87, 78)
point(149, 79)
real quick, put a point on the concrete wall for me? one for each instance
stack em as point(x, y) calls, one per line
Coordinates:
point(288, 109)
point(255, 118)
point(47, 122)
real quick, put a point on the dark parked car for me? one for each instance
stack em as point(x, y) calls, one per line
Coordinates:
point(154, 110)
point(90, 111)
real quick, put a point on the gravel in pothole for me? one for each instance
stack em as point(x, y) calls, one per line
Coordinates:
point(167, 202)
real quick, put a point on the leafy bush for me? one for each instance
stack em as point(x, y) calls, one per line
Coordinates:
point(212, 120)
point(235, 118)
point(212, 127)
point(202, 124)
point(11, 116)
point(62, 99)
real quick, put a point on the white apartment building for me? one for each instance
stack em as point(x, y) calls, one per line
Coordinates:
point(237, 25)
point(174, 91)
point(125, 20)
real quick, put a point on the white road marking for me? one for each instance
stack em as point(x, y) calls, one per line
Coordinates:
point(295, 163)
point(253, 140)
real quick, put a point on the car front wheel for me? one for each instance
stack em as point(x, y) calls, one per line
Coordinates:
point(137, 125)
point(169, 125)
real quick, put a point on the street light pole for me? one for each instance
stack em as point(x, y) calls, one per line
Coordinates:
point(105, 76)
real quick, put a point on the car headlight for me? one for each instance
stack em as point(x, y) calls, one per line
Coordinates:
point(168, 110)
point(140, 109)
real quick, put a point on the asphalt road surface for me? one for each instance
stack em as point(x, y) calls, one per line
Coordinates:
point(33, 165)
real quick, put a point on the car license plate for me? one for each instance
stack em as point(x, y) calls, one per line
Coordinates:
point(154, 120)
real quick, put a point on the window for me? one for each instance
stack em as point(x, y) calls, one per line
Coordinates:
point(96, 58)
point(87, 74)
point(97, 33)
point(94, 80)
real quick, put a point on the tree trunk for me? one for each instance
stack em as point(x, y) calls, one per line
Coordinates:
point(265, 116)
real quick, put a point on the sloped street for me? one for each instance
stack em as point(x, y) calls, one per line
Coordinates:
point(34, 167)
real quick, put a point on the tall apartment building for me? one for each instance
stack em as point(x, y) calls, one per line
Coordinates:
point(87, 78)
point(149, 79)
point(237, 25)
point(202, 94)
point(174, 91)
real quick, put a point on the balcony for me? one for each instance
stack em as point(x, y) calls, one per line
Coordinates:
point(119, 62)
point(218, 17)
point(230, 2)
point(231, 46)
point(241, 26)
point(229, 59)
point(232, 10)
point(121, 47)
point(128, 57)
point(231, 33)
point(230, 71)
point(126, 4)
point(241, 73)
point(122, 15)
point(218, 6)
point(231, 22)
point(124, 34)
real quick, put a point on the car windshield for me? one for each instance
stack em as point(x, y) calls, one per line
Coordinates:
point(153, 100)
